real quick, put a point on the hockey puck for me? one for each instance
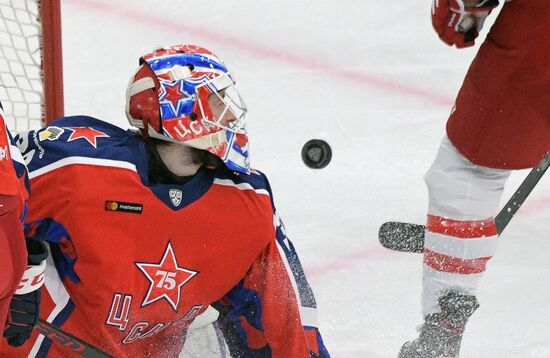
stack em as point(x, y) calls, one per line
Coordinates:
point(316, 154)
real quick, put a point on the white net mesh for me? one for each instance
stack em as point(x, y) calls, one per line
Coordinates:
point(21, 87)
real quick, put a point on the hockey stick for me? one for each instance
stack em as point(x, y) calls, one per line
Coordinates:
point(69, 341)
point(407, 237)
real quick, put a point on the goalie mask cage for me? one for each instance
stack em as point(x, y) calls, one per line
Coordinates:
point(31, 80)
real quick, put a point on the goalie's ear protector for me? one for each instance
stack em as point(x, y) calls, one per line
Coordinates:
point(142, 100)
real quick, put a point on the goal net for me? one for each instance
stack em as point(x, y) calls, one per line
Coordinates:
point(31, 82)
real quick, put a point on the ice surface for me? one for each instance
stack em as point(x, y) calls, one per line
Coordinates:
point(371, 78)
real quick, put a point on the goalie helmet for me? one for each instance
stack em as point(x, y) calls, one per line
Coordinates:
point(185, 94)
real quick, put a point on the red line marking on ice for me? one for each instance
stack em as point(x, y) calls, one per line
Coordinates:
point(267, 52)
point(363, 256)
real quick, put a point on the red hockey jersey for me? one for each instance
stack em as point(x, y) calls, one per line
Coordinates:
point(136, 261)
point(502, 113)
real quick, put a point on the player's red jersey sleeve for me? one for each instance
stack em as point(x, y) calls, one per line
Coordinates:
point(502, 113)
point(272, 311)
point(9, 185)
point(13, 252)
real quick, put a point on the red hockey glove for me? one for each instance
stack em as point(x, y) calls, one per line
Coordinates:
point(24, 307)
point(458, 22)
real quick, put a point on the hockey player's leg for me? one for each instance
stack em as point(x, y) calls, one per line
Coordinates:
point(460, 239)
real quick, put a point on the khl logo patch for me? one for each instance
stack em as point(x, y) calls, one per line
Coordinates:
point(175, 196)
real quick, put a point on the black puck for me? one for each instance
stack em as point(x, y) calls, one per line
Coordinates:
point(316, 153)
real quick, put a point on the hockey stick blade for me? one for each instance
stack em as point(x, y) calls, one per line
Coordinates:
point(406, 237)
point(402, 237)
point(69, 341)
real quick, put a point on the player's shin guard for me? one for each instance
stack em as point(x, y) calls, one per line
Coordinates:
point(441, 334)
point(460, 233)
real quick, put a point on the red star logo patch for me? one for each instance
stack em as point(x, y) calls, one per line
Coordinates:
point(166, 279)
point(173, 93)
point(87, 133)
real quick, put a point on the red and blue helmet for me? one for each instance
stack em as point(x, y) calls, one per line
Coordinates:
point(185, 94)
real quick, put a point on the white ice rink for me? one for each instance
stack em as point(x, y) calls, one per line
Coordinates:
point(371, 78)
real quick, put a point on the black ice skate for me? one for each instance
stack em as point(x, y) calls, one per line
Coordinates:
point(441, 334)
